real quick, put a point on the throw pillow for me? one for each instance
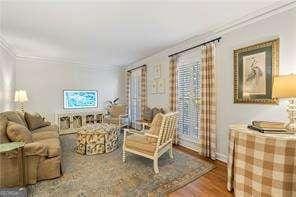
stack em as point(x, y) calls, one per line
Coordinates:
point(3, 126)
point(147, 114)
point(18, 133)
point(156, 111)
point(155, 127)
point(35, 121)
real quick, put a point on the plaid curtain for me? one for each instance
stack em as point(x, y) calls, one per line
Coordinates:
point(143, 89)
point(173, 89)
point(128, 79)
point(207, 132)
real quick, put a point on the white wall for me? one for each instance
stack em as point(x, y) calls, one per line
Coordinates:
point(7, 80)
point(282, 25)
point(45, 81)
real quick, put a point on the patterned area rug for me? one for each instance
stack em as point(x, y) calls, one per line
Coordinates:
point(106, 175)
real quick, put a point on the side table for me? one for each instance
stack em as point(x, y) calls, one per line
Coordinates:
point(12, 154)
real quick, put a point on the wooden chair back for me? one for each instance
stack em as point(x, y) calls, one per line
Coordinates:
point(167, 129)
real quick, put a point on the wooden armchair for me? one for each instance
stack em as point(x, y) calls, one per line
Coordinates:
point(117, 113)
point(155, 142)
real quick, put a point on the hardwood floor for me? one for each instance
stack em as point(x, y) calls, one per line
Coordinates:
point(211, 184)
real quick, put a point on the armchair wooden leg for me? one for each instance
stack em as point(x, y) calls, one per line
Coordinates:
point(171, 152)
point(155, 165)
point(123, 155)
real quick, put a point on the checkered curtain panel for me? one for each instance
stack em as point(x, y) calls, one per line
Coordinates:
point(143, 89)
point(207, 132)
point(128, 81)
point(261, 165)
point(173, 89)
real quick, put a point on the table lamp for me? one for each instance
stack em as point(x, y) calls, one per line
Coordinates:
point(284, 86)
point(21, 97)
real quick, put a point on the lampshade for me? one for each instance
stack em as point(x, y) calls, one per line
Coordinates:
point(20, 96)
point(284, 86)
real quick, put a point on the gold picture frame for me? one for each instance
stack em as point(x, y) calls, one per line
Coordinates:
point(254, 69)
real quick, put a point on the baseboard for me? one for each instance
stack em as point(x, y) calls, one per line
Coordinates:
point(221, 157)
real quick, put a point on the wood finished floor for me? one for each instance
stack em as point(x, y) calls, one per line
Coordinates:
point(211, 184)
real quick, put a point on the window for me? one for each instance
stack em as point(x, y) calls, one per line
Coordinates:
point(188, 97)
point(135, 97)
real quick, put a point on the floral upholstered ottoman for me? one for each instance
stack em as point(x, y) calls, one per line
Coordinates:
point(97, 139)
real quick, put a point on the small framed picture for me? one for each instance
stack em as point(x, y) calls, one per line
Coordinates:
point(154, 87)
point(161, 86)
point(254, 68)
point(157, 71)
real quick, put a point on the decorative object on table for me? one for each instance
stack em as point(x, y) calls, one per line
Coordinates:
point(261, 164)
point(154, 143)
point(11, 154)
point(21, 97)
point(97, 139)
point(254, 68)
point(117, 115)
point(285, 87)
point(157, 71)
point(106, 175)
point(154, 87)
point(108, 104)
point(161, 86)
point(269, 127)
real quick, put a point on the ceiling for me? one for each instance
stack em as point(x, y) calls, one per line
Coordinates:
point(111, 33)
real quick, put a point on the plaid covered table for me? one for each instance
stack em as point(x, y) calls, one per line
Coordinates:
point(261, 164)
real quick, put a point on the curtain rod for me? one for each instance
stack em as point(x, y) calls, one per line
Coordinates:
point(129, 70)
point(216, 39)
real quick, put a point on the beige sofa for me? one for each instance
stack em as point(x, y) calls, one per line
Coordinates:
point(41, 158)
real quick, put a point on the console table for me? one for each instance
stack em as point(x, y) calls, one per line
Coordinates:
point(261, 164)
point(69, 121)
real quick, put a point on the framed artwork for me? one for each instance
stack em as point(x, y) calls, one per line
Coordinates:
point(154, 87)
point(161, 86)
point(157, 71)
point(254, 68)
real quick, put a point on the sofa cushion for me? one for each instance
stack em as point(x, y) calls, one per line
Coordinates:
point(35, 121)
point(53, 146)
point(47, 128)
point(18, 133)
point(45, 135)
point(3, 126)
point(140, 143)
point(14, 116)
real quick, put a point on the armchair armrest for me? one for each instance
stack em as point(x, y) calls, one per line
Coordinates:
point(133, 131)
point(150, 135)
point(123, 115)
point(35, 148)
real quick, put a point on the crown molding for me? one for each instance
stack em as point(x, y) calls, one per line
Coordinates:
point(65, 61)
point(253, 17)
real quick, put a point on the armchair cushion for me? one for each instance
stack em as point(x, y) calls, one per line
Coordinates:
point(35, 121)
point(53, 146)
point(140, 143)
point(18, 133)
point(35, 148)
point(3, 126)
point(111, 120)
point(117, 110)
point(147, 114)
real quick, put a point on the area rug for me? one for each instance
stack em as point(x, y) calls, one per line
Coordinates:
point(106, 174)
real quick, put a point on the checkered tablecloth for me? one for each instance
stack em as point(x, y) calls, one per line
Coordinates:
point(261, 164)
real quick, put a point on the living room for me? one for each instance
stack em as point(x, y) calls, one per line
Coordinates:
point(155, 98)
